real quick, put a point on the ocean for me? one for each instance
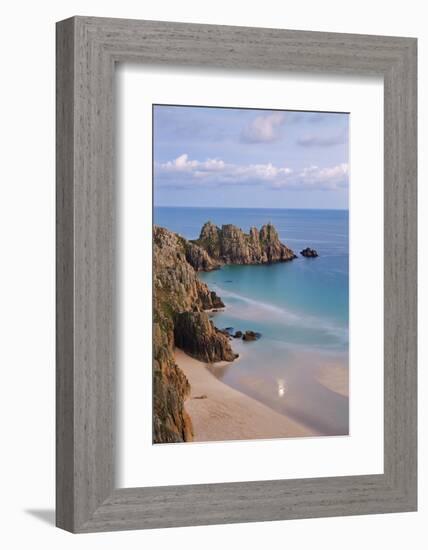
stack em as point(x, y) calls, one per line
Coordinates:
point(301, 309)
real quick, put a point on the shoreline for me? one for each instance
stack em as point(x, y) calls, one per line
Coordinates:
point(335, 379)
point(221, 413)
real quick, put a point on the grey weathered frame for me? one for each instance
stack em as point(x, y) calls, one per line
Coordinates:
point(87, 50)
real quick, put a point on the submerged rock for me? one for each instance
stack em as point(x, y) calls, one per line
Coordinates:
point(238, 334)
point(309, 253)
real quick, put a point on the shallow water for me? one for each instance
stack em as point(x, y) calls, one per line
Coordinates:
point(299, 307)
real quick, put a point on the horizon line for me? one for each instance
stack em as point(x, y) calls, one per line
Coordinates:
point(248, 207)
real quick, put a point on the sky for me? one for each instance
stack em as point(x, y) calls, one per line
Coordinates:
point(248, 158)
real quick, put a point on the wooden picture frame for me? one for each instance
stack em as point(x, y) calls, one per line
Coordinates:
point(87, 50)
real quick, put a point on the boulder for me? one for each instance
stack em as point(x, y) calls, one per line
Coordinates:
point(250, 336)
point(309, 253)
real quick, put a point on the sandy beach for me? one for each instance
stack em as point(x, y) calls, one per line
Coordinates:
point(335, 378)
point(221, 413)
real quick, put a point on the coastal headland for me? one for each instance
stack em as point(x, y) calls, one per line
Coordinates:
point(189, 403)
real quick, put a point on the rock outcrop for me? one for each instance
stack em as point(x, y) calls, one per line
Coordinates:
point(179, 318)
point(171, 423)
point(250, 336)
point(198, 258)
point(196, 334)
point(180, 305)
point(230, 245)
point(309, 253)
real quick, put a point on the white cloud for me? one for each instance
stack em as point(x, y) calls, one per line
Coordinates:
point(263, 129)
point(263, 172)
point(184, 172)
point(183, 164)
point(213, 165)
point(313, 177)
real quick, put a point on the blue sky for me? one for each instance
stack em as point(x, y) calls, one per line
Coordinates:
point(205, 156)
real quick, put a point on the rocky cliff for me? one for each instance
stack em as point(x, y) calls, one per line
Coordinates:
point(179, 318)
point(195, 333)
point(180, 301)
point(198, 257)
point(230, 245)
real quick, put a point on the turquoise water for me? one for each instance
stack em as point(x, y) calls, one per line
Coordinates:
point(299, 307)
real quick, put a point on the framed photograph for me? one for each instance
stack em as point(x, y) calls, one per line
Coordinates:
point(236, 274)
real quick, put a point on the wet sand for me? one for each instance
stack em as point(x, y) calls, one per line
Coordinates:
point(221, 413)
point(334, 378)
